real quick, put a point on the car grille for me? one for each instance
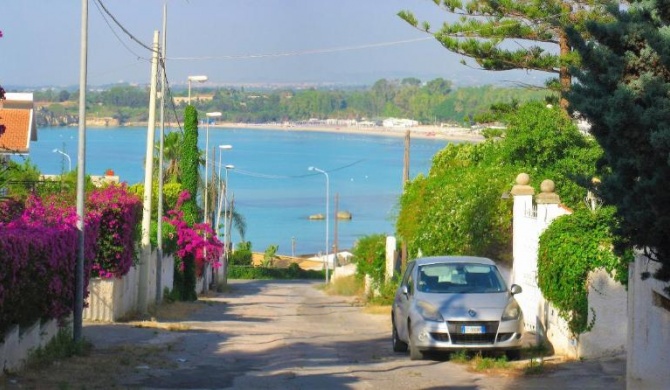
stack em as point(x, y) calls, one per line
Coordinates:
point(488, 337)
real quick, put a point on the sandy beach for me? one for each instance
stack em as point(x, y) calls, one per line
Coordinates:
point(463, 134)
point(428, 132)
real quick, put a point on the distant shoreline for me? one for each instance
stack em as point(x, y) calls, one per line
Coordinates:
point(423, 132)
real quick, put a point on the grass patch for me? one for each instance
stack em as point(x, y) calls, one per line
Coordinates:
point(98, 369)
point(480, 363)
point(348, 286)
point(60, 347)
point(460, 357)
point(377, 309)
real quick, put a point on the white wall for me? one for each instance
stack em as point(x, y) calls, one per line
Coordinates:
point(648, 357)
point(112, 299)
point(607, 298)
point(19, 342)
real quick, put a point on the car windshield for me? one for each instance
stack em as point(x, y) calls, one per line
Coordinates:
point(459, 278)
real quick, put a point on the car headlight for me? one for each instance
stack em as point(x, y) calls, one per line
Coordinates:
point(512, 311)
point(428, 312)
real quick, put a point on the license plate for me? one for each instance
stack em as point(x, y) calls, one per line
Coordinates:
point(472, 329)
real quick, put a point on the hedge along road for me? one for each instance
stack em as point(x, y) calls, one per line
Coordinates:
point(291, 335)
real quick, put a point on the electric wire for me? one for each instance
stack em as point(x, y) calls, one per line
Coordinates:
point(125, 30)
point(299, 53)
point(284, 177)
point(98, 5)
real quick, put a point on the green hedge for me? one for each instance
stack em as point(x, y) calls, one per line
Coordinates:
point(292, 272)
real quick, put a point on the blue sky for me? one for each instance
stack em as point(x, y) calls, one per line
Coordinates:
point(232, 42)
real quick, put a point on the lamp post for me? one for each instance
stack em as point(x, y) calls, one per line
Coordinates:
point(327, 212)
point(199, 79)
point(209, 115)
point(226, 218)
point(222, 187)
point(69, 161)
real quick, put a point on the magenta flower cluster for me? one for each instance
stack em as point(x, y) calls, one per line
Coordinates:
point(198, 241)
point(38, 251)
point(120, 213)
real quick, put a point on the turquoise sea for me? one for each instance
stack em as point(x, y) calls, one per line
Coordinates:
point(273, 188)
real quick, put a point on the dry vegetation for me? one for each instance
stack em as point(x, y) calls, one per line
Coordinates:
point(93, 368)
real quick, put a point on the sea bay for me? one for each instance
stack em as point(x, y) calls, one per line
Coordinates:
point(271, 183)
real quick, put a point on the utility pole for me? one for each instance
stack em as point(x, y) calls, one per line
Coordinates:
point(405, 179)
point(78, 312)
point(159, 214)
point(143, 283)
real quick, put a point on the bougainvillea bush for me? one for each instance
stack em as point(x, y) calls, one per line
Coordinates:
point(38, 251)
point(120, 213)
point(38, 254)
point(197, 246)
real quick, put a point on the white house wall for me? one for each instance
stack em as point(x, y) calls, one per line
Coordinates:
point(607, 298)
point(648, 359)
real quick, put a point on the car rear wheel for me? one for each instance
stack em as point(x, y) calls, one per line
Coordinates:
point(414, 352)
point(398, 345)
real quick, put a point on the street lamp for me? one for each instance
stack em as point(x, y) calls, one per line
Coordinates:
point(199, 79)
point(69, 161)
point(226, 224)
point(327, 212)
point(209, 115)
point(221, 186)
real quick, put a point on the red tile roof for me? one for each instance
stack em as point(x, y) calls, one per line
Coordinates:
point(15, 130)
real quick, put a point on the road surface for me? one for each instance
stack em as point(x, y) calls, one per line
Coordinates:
point(290, 335)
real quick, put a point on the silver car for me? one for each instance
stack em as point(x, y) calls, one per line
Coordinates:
point(455, 302)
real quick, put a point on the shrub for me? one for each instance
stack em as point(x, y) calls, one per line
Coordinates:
point(370, 256)
point(292, 272)
point(242, 255)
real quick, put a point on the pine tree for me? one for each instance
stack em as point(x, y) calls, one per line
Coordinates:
point(623, 89)
point(484, 26)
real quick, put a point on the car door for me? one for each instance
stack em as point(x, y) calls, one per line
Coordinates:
point(402, 302)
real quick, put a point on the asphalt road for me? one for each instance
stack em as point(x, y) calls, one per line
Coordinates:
point(290, 335)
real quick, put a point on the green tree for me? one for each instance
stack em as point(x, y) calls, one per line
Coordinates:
point(457, 208)
point(483, 27)
point(624, 92)
point(190, 157)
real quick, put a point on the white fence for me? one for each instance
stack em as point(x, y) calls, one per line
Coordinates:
point(19, 342)
point(112, 299)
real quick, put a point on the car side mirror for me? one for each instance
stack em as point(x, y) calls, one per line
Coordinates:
point(515, 289)
point(404, 290)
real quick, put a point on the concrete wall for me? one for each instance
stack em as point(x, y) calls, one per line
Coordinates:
point(19, 342)
point(343, 272)
point(648, 360)
point(607, 298)
point(608, 337)
point(112, 299)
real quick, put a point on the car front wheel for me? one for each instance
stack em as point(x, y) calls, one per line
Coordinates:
point(398, 345)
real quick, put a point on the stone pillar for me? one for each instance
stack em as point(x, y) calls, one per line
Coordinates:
point(523, 206)
point(391, 255)
point(547, 204)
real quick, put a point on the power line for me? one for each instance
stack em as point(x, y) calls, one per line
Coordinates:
point(299, 53)
point(125, 30)
point(98, 5)
point(283, 177)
